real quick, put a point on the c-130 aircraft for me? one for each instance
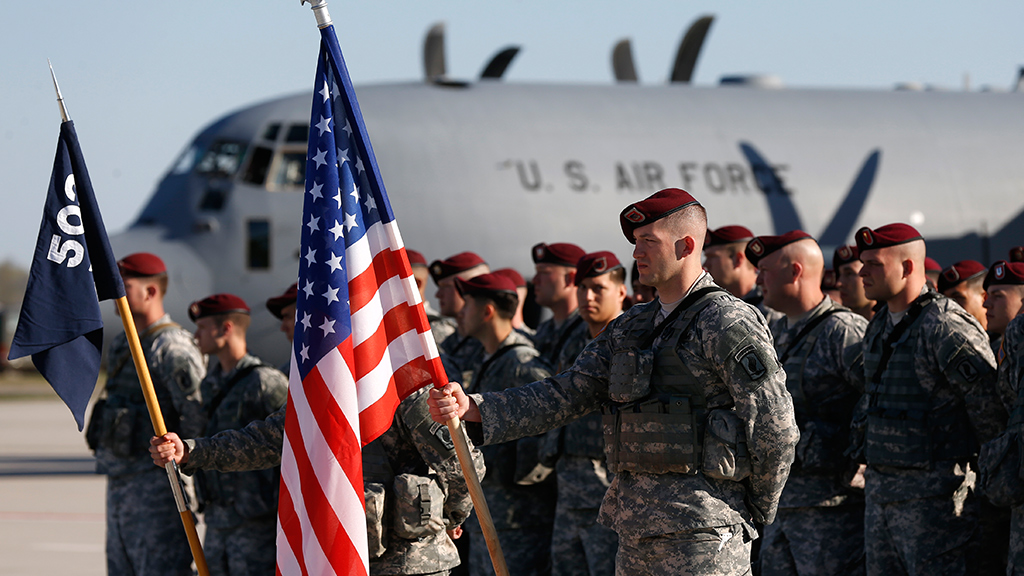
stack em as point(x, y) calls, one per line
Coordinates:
point(497, 167)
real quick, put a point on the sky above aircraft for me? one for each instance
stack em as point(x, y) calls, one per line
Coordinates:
point(140, 79)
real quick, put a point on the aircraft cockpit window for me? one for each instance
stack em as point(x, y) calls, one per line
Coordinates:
point(258, 245)
point(290, 172)
point(297, 133)
point(221, 159)
point(259, 164)
point(271, 132)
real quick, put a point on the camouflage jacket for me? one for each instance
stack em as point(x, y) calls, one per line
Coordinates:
point(1011, 365)
point(122, 421)
point(824, 364)
point(639, 504)
point(251, 391)
point(513, 506)
point(441, 327)
point(954, 365)
point(465, 353)
point(259, 444)
point(549, 340)
point(756, 299)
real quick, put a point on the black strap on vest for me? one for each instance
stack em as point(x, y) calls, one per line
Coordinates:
point(686, 303)
point(799, 338)
point(223, 392)
point(497, 354)
point(565, 336)
point(897, 332)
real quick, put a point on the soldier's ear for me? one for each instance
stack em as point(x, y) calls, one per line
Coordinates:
point(685, 247)
point(570, 277)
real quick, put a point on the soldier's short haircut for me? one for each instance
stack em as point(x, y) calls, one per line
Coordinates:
point(505, 303)
point(618, 275)
point(976, 284)
point(692, 221)
point(241, 321)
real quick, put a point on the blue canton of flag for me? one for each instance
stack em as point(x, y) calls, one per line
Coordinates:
point(72, 270)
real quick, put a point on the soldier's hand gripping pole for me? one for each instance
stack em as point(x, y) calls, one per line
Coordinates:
point(159, 429)
point(476, 493)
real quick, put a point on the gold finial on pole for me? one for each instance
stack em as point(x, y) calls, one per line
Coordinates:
point(319, 7)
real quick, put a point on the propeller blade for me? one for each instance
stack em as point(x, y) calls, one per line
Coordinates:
point(433, 54)
point(784, 215)
point(689, 50)
point(495, 69)
point(622, 62)
point(841, 226)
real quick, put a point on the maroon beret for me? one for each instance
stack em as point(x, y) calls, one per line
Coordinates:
point(279, 303)
point(727, 235)
point(828, 280)
point(441, 269)
point(559, 253)
point(1005, 273)
point(961, 271)
point(1017, 254)
point(141, 265)
point(652, 209)
point(486, 285)
point(932, 265)
point(216, 305)
point(844, 255)
point(512, 275)
point(762, 246)
point(888, 235)
point(595, 264)
point(415, 258)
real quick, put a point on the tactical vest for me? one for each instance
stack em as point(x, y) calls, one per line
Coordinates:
point(905, 429)
point(658, 423)
point(120, 420)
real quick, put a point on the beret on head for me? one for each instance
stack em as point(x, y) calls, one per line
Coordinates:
point(486, 285)
point(1017, 254)
point(932, 265)
point(828, 280)
point(762, 246)
point(415, 258)
point(559, 253)
point(1005, 273)
point(512, 275)
point(886, 236)
point(844, 255)
point(652, 209)
point(441, 269)
point(278, 303)
point(216, 305)
point(727, 235)
point(595, 264)
point(961, 271)
point(141, 265)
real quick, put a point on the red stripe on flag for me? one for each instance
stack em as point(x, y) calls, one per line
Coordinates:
point(287, 517)
point(376, 418)
point(328, 529)
point(369, 352)
point(333, 424)
point(385, 265)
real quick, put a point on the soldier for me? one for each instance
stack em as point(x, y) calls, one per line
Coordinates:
point(931, 401)
point(820, 525)
point(239, 508)
point(440, 326)
point(725, 260)
point(699, 427)
point(521, 289)
point(554, 288)
point(144, 533)
point(522, 515)
point(459, 349)
point(1004, 287)
point(846, 262)
point(283, 308)
point(963, 282)
point(579, 545)
point(932, 271)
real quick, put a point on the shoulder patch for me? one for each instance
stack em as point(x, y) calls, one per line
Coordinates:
point(440, 431)
point(747, 358)
point(967, 370)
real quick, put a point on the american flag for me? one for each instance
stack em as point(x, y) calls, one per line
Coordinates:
point(362, 340)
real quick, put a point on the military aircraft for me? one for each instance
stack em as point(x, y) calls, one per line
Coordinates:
point(497, 167)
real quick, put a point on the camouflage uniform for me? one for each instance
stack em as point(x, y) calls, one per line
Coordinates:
point(927, 413)
point(523, 515)
point(820, 525)
point(240, 508)
point(144, 532)
point(673, 512)
point(1011, 385)
point(414, 446)
point(465, 353)
point(756, 299)
point(440, 326)
point(549, 339)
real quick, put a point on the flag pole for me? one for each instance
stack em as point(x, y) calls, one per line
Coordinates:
point(462, 450)
point(148, 392)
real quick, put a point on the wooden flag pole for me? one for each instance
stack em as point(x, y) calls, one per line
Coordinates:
point(146, 381)
point(476, 493)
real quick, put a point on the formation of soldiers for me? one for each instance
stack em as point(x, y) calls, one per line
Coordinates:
point(753, 407)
